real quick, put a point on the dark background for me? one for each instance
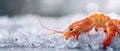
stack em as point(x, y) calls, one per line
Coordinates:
point(57, 7)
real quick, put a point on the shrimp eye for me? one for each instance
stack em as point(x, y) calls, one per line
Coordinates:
point(70, 29)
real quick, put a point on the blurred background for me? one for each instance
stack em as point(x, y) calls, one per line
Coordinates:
point(57, 8)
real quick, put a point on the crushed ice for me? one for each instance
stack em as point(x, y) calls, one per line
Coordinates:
point(25, 31)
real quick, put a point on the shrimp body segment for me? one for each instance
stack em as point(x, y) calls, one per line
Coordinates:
point(97, 20)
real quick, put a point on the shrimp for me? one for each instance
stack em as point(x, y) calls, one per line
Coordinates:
point(98, 20)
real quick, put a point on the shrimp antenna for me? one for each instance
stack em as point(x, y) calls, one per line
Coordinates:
point(56, 31)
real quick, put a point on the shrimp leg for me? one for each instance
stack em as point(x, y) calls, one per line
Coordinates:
point(104, 28)
point(110, 36)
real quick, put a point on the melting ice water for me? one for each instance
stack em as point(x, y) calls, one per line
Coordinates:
point(25, 32)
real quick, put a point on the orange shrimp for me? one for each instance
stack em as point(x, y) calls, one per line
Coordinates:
point(97, 20)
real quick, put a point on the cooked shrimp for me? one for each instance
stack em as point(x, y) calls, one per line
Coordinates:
point(97, 20)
